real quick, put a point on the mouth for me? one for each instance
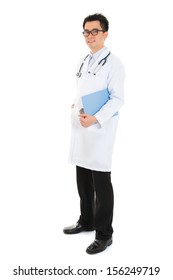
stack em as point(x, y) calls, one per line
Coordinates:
point(90, 41)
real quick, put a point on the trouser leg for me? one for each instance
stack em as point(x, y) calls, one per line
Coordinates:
point(86, 194)
point(104, 204)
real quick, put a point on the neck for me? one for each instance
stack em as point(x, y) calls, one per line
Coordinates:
point(93, 51)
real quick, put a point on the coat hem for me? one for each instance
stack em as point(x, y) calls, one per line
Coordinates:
point(89, 166)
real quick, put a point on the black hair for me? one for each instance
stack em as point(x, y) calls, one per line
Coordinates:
point(101, 18)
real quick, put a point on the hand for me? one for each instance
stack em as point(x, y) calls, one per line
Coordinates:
point(87, 120)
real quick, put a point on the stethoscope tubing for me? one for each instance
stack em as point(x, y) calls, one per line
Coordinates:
point(101, 62)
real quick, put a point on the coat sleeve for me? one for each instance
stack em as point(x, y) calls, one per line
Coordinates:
point(115, 85)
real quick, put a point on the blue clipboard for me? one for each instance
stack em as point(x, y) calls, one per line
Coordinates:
point(93, 102)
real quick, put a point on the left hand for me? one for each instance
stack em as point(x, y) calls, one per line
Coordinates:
point(87, 120)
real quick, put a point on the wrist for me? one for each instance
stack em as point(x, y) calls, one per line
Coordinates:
point(94, 119)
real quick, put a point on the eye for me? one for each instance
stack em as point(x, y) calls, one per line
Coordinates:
point(94, 31)
point(86, 33)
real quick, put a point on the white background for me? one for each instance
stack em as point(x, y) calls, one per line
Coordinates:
point(40, 46)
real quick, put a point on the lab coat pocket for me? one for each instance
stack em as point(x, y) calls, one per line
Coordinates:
point(75, 116)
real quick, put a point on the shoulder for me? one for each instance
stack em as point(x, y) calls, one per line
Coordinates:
point(116, 64)
point(83, 58)
point(115, 60)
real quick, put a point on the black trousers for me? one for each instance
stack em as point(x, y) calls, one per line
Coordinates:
point(96, 201)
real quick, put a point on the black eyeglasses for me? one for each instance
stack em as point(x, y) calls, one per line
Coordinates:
point(94, 32)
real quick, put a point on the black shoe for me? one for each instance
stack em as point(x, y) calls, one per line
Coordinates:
point(77, 228)
point(98, 246)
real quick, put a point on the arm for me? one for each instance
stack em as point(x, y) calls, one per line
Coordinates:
point(115, 85)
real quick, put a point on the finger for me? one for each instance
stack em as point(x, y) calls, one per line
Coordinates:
point(83, 115)
point(82, 120)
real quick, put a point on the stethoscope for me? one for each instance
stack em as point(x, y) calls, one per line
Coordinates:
point(98, 67)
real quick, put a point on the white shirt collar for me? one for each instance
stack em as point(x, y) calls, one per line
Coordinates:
point(96, 55)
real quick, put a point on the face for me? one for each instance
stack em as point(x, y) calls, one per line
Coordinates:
point(95, 43)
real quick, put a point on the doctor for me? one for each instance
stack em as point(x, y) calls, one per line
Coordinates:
point(93, 136)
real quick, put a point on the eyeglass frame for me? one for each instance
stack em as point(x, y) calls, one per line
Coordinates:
point(90, 32)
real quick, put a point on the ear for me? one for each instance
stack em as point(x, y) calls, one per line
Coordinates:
point(105, 35)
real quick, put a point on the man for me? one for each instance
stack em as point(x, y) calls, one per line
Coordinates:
point(93, 134)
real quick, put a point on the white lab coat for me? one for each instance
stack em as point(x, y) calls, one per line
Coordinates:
point(92, 147)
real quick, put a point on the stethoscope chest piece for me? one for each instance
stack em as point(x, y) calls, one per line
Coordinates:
point(79, 74)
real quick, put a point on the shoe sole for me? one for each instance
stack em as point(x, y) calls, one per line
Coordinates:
point(78, 231)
